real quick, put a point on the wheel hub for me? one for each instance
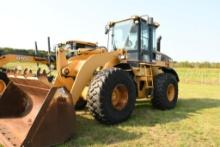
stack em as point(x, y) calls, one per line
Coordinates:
point(170, 92)
point(119, 96)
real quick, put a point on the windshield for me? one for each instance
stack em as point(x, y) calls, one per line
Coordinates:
point(124, 35)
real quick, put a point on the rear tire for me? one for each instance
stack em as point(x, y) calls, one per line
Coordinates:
point(111, 96)
point(165, 93)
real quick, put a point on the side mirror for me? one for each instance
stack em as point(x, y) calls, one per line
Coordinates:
point(159, 43)
point(106, 29)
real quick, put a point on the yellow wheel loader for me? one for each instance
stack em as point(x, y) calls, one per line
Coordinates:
point(33, 113)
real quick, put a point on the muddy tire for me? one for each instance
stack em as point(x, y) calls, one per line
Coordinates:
point(165, 93)
point(80, 104)
point(111, 96)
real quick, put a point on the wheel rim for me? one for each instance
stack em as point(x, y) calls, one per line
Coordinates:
point(119, 96)
point(170, 92)
point(2, 87)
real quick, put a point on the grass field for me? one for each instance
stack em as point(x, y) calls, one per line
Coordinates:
point(199, 75)
point(195, 122)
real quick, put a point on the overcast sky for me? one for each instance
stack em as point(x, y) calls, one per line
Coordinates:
point(190, 28)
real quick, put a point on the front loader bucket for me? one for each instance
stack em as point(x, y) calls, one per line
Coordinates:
point(34, 115)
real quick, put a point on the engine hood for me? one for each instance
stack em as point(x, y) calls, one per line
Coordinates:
point(158, 56)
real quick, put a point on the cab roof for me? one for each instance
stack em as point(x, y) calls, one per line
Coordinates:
point(145, 18)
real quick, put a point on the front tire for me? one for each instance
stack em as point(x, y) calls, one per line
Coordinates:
point(165, 93)
point(111, 96)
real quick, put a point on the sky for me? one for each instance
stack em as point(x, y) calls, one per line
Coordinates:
point(190, 28)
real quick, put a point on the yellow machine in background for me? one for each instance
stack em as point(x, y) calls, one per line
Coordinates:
point(4, 74)
point(109, 79)
point(27, 73)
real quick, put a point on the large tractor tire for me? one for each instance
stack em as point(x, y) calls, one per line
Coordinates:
point(111, 96)
point(3, 82)
point(165, 92)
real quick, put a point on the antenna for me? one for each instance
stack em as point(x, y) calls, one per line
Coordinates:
point(36, 51)
point(49, 54)
point(49, 50)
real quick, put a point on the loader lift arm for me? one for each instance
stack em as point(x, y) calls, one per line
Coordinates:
point(78, 73)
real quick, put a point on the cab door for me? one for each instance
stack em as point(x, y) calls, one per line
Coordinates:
point(132, 42)
point(145, 42)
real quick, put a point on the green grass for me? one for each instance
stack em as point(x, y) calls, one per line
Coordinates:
point(194, 122)
point(199, 75)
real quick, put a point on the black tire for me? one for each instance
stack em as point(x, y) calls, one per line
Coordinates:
point(4, 77)
point(160, 97)
point(80, 104)
point(100, 96)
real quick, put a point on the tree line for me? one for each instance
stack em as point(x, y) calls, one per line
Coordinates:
point(30, 52)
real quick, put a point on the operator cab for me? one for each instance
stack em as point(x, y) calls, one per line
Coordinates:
point(137, 36)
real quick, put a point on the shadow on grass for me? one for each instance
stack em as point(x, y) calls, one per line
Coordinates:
point(91, 132)
point(145, 114)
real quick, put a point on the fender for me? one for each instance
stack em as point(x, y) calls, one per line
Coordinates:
point(171, 71)
point(127, 67)
point(87, 69)
point(124, 66)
